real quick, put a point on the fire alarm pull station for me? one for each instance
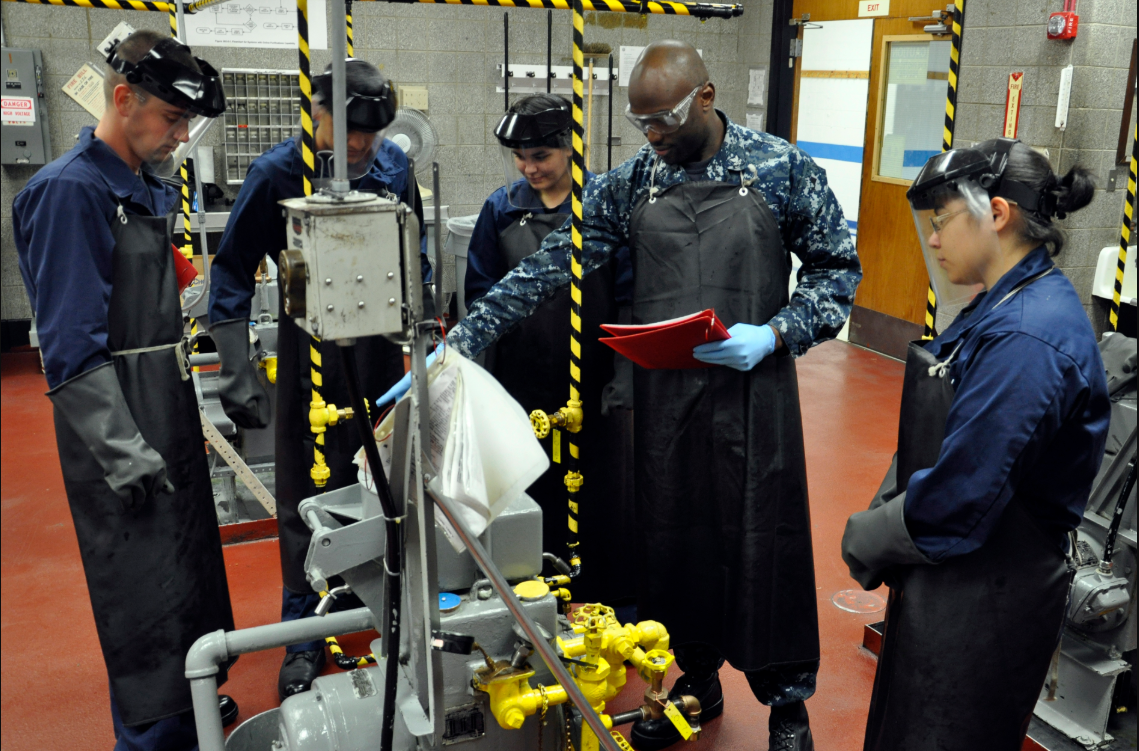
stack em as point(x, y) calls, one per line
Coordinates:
point(1064, 24)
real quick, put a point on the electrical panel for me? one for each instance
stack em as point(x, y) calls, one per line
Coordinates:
point(23, 109)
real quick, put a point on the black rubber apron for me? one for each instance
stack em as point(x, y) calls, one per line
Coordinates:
point(967, 642)
point(531, 362)
point(380, 364)
point(724, 526)
point(156, 576)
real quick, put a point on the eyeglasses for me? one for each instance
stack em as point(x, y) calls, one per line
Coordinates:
point(939, 222)
point(666, 121)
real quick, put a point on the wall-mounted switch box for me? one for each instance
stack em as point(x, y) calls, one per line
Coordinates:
point(23, 110)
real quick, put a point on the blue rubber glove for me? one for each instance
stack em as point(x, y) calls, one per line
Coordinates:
point(396, 392)
point(747, 347)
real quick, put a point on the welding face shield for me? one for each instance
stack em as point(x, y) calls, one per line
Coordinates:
point(951, 199)
point(536, 153)
point(370, 107)
point(954, 222)
point(189, 100)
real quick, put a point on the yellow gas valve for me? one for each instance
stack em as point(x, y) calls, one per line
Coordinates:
point(269, 365)
point(321, 415)
point(568, 418)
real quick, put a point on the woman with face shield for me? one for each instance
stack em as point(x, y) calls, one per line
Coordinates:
point(1002, 429)
point(532, 361)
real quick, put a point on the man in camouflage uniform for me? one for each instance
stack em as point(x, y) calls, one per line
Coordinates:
point(711, 212)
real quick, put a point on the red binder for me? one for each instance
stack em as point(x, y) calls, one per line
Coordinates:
point(667, 345)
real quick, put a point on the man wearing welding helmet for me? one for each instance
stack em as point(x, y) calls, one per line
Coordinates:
point(93, 231)
point(255, 229)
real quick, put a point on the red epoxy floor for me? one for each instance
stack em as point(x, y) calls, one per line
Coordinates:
point(54, 687)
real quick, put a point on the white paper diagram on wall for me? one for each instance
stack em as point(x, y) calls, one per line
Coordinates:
point(256, 23)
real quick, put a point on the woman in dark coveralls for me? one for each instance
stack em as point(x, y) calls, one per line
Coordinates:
point(93, 237)
point(532, 361)
point(1003, 423)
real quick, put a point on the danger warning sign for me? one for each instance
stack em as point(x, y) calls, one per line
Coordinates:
point(17, 110)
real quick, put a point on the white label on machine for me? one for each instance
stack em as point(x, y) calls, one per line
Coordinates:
point(755, 121)
point(18, 110)
point(86, 87)
point(270, 24)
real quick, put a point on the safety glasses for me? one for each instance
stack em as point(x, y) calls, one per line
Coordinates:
point(667, 121)
point(938, 222)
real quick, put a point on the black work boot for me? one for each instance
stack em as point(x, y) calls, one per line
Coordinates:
point(652, 735)
point(298, 671)
point(790, 729)
point(228, 708)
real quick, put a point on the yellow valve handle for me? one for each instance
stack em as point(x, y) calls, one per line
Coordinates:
point(269, 365)
point(678, 721)
point(540, 422)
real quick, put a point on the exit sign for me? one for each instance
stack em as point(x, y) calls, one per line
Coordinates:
point(871, 8)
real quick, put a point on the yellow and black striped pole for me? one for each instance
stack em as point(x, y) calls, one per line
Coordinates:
point(947, 140)
point(319, 472)
point(106, 4)
point(1125, 234)
point(348, 25)
point(695, 10)
point(573, 475)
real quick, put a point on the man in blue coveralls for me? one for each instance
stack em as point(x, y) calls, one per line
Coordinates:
point(92, 230)
point(256, 228)
point(711, 212)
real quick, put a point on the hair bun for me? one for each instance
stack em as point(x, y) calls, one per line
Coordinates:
point(1074, 191)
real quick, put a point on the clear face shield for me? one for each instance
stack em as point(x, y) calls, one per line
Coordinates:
point(167, 159)
point(362, 149)
point(955, 226)
point(531, 170)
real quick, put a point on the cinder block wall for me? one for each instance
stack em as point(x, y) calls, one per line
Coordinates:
point(452, 50)
point(1002, 37)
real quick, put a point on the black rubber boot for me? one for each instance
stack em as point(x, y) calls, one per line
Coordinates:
point(790, 728)
point(651, 735)
point(228, 709)
point(298, 671)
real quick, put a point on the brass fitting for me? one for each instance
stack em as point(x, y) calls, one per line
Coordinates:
point(321, 415)
point(654, 668)
point(574, 481)
point(269, 365)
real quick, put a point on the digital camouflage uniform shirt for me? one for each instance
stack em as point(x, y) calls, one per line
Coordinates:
point(795, 188)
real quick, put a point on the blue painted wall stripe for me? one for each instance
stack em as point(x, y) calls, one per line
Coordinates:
point(834, 151)
point(917, 158)
point(852, 225)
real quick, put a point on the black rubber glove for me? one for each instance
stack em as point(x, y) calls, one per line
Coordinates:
point(876, 540)
point(243, 397)
point(94, 406)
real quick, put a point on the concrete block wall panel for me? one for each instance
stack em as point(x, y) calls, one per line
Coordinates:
point(452, 50)
point(1002, 37)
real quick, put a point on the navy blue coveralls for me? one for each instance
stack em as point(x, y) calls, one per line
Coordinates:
point(62, 226)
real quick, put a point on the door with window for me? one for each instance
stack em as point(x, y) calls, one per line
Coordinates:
point(873, 148)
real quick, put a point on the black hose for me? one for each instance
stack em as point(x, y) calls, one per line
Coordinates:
point(393, 555)
point(1117, 517)
point(609, 137)
point(506, 61)
point(549, 50)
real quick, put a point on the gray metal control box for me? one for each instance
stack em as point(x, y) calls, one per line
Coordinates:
point(341, 272)
point(26, 137)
